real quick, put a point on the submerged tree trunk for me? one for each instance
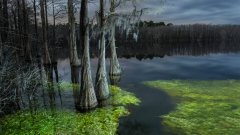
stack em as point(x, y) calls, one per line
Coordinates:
point(47, 59)
point(88, 98)
point(75, 72)
point(102, 89)
point(115, 80)
point(115, 68)
point(72, 35)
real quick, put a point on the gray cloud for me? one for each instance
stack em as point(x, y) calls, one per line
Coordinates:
point(194, 11)
point(185, 11)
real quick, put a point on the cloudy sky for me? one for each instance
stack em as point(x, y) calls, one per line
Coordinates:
point(185, 11)
point(193, 11)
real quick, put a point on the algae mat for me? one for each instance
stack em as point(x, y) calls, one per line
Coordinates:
point(210, 107)
point(102, 121)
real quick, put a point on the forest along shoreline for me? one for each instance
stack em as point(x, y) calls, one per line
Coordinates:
point(28, 39)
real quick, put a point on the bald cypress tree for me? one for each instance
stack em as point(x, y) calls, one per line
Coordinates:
point(5, 21)
point(72, 35)
point(47, 59)
point(27, 47)
point(1, 44)
point(115, 68)
point(87, 97)
point(102, 89)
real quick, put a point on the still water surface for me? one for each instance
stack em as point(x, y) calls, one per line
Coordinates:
point(145, 119)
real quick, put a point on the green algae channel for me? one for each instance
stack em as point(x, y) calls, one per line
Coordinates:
point(203, 107)
point(102, 121)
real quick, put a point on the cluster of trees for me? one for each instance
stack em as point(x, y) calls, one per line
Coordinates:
point(20, 35)
point(195, 34)
point(153, 24)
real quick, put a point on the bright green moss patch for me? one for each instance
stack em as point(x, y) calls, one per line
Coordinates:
point(121, 97)
point(102, 121)
point(67, 85)
point(62, 86)
point(205, 107)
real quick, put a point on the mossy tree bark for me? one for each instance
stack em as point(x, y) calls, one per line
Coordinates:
point(87, 97)
point(72, 35)
point(47, 59)
point(102, 89)
point(115, 68)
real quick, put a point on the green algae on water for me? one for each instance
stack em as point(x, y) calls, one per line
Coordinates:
point(205, 107)
point(102, 121)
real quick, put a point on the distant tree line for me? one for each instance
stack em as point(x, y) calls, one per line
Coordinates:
point(175, 34)
point(197, 33)
point(153, 24)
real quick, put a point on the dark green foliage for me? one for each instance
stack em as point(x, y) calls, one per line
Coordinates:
point(151, 24)
point(102, 121)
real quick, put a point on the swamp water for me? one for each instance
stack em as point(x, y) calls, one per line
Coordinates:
point(151, 63)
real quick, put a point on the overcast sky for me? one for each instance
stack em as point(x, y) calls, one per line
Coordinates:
point(193, 11)
point(186, 11)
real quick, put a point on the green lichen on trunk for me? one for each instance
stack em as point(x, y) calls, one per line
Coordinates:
point(102, 121)
point(203, 107)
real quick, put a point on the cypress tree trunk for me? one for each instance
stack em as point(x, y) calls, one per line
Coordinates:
point(27, 47)
point(1, 50)
point(47, 59)
point(35, 18)
point(52, 52)
point(88, 98)
point(115, 80)
point(75, 72)
point(46, 15)
point(5, 21)
point(102, 89)
point(72, 36)
point(36, 48)
point(1, 44)
point(115, 68)
point(20, 28)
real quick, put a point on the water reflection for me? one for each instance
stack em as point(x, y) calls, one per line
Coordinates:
point(149, 50)
point(139, 128)
point(214, 62)
point(75, 77)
